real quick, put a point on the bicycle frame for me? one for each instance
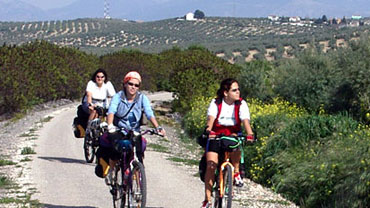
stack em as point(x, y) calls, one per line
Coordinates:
point(222, 168)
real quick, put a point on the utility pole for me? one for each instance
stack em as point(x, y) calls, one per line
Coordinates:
point(106, 9)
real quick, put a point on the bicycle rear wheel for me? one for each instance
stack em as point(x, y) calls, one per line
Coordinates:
point(226, 200)
point(137, 186)
point(118, 190)
point(89, 148)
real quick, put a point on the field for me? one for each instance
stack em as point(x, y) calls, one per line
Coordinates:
point(234, 39)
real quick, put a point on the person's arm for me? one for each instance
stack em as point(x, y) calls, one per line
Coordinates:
point(211, 115)
point(245, 117)
point(112, 110)
point(210, 121)
point(150, 115)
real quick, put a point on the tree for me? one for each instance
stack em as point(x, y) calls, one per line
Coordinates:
point(324, 18)
point(198, 14)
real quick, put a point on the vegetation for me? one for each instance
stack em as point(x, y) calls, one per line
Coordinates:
point(227, 34)
point(311, 113)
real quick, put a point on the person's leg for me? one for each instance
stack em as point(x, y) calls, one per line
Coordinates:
point(209, 178)
point(235, 160)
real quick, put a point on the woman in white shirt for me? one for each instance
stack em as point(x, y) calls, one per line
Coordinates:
point(99, 91)
point(226, 115)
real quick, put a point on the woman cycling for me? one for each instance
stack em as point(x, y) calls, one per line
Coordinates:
point(99, 91)
point(125, 112)
point(225, 115)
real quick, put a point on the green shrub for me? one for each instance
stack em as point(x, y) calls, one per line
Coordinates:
point(254, 80)
point(315, 161)
point(195, 120)
point(308, 80)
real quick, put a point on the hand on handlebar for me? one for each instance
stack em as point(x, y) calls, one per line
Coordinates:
point(161, 131)
point(250, 138)
point(112, 128)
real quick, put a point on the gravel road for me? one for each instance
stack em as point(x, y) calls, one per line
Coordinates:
point(58, 176)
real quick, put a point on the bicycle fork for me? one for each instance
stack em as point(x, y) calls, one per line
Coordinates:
point(221, 179)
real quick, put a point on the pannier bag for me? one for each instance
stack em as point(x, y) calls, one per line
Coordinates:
point(80, 122)
point(202, 167)
point(102, 166)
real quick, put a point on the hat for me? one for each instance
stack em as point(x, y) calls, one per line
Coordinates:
point(132, 75)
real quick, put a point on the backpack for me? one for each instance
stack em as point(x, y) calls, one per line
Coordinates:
point(202, 139)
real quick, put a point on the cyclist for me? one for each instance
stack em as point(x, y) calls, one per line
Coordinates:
point(225, 115)
point(99, 91)
point(125, 111)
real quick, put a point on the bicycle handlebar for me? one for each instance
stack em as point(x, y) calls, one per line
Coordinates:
point(242, 137)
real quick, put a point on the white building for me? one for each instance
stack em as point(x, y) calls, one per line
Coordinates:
point(190, 17)
point(273, 17)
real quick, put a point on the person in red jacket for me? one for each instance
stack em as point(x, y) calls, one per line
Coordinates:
point(226, 115)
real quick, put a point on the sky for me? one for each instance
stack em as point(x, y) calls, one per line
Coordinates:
point(49, 4)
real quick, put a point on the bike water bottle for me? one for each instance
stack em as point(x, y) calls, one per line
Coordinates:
point(125, 176)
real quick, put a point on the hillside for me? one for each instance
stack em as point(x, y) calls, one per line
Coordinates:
point(235, 39)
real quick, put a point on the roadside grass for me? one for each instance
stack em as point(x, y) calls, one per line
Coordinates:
point(6, 162)
point(5, 182)
point(189, 143)
point(46, 119)
point(158, 148)
point(26, 159)
point(183, 160)
point(27, 151)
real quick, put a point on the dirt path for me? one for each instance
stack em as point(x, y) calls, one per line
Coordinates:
point(64, 179)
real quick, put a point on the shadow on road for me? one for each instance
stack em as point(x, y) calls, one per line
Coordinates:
point(63, 159)
point(61, 206)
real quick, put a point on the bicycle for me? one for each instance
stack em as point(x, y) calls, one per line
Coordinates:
point(91, 139)
point(223, 186)
point(129, 183)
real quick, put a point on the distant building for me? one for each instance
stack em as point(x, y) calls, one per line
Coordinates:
point(273, 17)
point(190, 17)
point(294, 19)
point(356, 17)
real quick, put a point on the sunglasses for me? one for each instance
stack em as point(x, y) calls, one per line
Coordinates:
point(100, 77)
point(234, 90)
point(132, 84)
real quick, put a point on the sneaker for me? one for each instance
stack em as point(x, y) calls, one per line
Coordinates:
point(206, 204)
point(238, 181)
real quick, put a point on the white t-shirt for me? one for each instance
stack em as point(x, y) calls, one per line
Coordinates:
point(100, 94)
point(227, 115)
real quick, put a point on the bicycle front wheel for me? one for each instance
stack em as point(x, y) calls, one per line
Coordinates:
point(227, 197)
point(137, 186)
point(89, 148)
point(118, 189)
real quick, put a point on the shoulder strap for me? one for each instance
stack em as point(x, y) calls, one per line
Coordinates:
point(219, 106)
point(83, 97)
point(237, 108)
point(135, 101)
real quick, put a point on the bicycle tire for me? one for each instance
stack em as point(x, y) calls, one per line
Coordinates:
point(89, 149)
point(118, 190)
point(226, 200)
point(137, 186)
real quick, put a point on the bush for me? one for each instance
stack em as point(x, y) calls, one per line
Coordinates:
point(196, 119)
point(254, 80)
point(316, 161)
point(308, 80)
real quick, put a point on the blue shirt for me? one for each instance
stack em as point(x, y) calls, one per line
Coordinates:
point(119, 106)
